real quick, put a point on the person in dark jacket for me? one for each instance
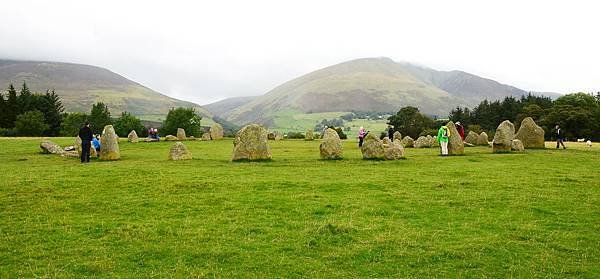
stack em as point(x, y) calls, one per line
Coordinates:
point(391, 132)
point(560, 137)
point(86, 135)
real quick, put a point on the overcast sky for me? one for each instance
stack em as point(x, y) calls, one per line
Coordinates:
point(204, 51)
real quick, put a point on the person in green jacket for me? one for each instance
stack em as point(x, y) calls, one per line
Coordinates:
point(442, 138)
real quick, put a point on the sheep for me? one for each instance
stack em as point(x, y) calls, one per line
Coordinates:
point(580, 140)
point(589, 143)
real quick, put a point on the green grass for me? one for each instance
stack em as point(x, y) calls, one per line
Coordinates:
point(534, 214)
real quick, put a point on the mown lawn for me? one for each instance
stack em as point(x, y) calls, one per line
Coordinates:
point(535, 214)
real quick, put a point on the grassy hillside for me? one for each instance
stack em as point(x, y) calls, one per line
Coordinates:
point(372, 84)
point(224, 107)
point(80, 86)
point(525, 215)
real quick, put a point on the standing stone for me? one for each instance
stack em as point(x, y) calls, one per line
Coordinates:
point(482, 139)
point(431, 140)
point(278, 135)
point(397, 136)
point(394, 151)
point(455, 142)
point(216, 131)
point(181, 134)
point(422, 142)
point(505, 133)
point(309, 135)
point(49, 147)
point(472, 138)
point(109, 144)
point(517, 145)
point(408, 141)
point(170, 138)
point(331, 147)
point(191, 138)
point(530, 134)
point(251, 144)
point(386, 141)
point(372, 147)
point(179, 152)
point(271, 136)
point(133, 137)
point(206, 136)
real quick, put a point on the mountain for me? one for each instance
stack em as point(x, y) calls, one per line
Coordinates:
point(372, 84)
point(80, 86)
point(224, 107)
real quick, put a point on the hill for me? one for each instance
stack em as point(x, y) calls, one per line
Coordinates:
point(372, 84)
point(80, 86)
point(224, 107)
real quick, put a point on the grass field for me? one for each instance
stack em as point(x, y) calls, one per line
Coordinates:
point(534, 214)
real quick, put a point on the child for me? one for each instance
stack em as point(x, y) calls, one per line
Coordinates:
point(361, 136)
point(442, 138)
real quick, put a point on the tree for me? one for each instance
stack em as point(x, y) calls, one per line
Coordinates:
point(2, 111)
point(31, 123)
point(410, 122)
point(53, 111)
point(462, 115)
point(126, 123)
point(12, 107)
point(185, 118)
point(25, 100)
point(99, 117)
point(71, 122)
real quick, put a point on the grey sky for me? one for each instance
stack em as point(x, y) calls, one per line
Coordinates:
point(204, 51)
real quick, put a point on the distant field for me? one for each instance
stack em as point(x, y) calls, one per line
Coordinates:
point(533, 214)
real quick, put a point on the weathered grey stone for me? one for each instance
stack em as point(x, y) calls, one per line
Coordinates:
point(422, 142)
point(206, 136)
point(455, 142)
point(251, 143)
point(170, 138)
point(216, 131)
point(394, 151)
point(372, 147)
point(397, 136)
point(133, 137)
point(331, 147)
point(472, 138)
point(181, 134)
point(191, 138)
point(309, 135)
point(505, 133)
point(517, 145)
point(109, 144)
point(49, 147)
point(483, 139)
point(179, 152)
point(278, 135)
point(408, 141)
point(386, 141)
point(530, 134)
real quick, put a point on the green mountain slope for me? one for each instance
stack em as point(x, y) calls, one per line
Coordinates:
point(80, 86)
point(372, 84)
point(224, 107)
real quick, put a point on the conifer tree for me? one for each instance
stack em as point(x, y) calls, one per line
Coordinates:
point(11, 107)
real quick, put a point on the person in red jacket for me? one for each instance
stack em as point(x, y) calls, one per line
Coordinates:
point(461, 130)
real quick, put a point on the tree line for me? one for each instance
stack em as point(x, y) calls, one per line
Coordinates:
point(34, 114)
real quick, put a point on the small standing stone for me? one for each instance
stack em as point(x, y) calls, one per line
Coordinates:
point(251, 143)
point(331, 147)
point(408, 141)
point(309, 135)
point(372, 147)
point(181, 134)
point(179, 152)
point(133, 137)
point(503, 137)
point(517, 145)
point(216, 131)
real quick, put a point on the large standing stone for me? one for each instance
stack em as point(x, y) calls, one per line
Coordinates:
point(517, 145)
point(179, 152)
point(394, 151)
point(372, 147)
point(482, 139)
point(206, 136)
point(530, 134)
point(216, 131)
point(251, 143)
point(455, 142)
point(133, 137)
point(397, 136)
point(422, 142)
point(109, 144)
point(472, 138)
point(408, 141)
point(181, 134)
point(170, 138)
point(505, 133)
point(331, 147)
point(309, 135)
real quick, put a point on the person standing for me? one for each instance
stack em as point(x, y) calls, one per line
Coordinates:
point(361, 136)
point(391, 132)
point(86, 135)
point(461, 130)
point(560, 137)
point(442, 138)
